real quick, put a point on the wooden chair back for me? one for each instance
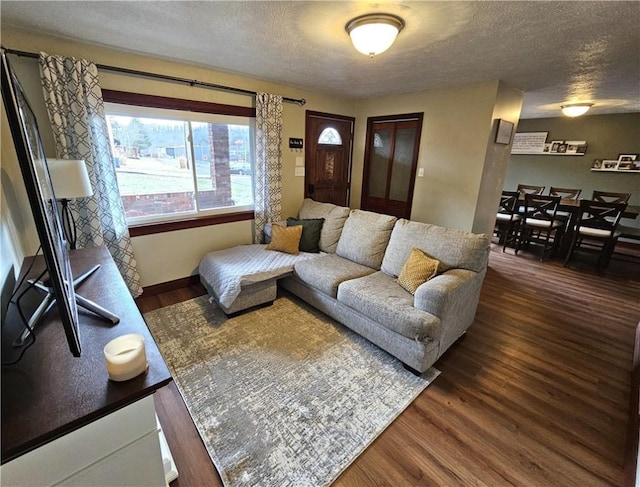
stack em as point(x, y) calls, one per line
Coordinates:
point(540, 207)
point(529, 189)
point(509, 202)
point(565, 193)
point(600, 215)
point(609, 197)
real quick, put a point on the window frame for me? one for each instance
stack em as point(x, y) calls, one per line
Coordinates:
point(154, 101)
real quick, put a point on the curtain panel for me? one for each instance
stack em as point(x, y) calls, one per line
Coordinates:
point(268, 163)
point(76, 111)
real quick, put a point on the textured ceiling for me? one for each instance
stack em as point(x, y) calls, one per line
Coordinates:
point(554, 51)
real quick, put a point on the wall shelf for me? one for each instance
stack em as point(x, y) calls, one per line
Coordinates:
point(625, 171)
point(546, 154)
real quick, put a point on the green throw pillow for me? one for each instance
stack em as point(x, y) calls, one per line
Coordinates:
point(310, 233)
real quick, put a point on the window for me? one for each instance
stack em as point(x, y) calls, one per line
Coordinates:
point(176, 164)
point(330, 136)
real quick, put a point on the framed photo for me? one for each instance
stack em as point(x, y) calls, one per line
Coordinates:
point(547, 147)
point(625, 165)
point(555, 144)
point(562, 148)
point(597, 164)
point(576, 146)
point(627, 157)
point(503, 134)
point(610, 164)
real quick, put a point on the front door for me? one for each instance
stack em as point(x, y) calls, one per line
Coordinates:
point(328, 157)
point(390, 162)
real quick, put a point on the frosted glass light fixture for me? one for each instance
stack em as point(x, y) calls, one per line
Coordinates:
point(372, 34)
point(576, 109)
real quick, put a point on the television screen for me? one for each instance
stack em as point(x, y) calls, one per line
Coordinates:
point(33, 164)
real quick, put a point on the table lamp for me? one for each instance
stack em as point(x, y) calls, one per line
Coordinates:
point(70, 180)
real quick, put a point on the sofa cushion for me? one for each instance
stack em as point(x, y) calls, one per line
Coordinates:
point(285, 239)
point(311, 229)
point(380, 298)
point(418, 269)
point(334, 218)
point(328, 271)
point(365, 237)
point(453, 248)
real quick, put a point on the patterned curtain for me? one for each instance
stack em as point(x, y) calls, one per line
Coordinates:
point(268, 164)
point(76, 110)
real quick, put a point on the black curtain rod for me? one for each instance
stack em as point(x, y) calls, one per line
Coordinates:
point(175, 79)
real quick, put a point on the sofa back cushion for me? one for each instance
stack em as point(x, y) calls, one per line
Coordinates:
point(365, 237)
point(334, 218)
point(453, 248)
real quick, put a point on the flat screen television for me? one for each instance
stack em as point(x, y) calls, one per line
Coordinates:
point(33, 165)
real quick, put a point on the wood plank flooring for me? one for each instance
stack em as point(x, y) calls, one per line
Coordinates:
point(535, 394)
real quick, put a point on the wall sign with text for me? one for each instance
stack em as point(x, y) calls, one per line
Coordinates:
point(535, 143)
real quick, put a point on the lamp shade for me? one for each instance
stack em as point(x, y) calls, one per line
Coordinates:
point(69, 178)
point(576, 109)
point(372, 34)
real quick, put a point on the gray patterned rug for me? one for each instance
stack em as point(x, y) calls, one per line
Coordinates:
point(281, 396)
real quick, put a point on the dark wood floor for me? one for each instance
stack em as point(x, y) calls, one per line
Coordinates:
point(535, 394)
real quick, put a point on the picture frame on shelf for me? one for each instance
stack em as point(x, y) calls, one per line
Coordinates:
point(627, 157)
point(547, 147)
point(576, 146)
point(504, 132)
point(610, 164)
point(554, 146)
point(625, 166)
point(597, 164)
point(562, 148)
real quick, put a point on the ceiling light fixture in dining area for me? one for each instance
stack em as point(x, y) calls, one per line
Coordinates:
point(373, 34)
point(576, 109)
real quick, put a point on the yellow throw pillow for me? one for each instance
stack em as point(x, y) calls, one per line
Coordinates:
point(418, 268)
point(285, 239)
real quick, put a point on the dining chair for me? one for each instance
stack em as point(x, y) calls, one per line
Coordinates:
point(565, 193)
point(609, 197)
point(540, 224)
point(507, 218)
point(597, 227)
point(529, 189)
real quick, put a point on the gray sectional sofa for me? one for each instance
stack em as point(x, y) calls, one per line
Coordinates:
point(353, 280)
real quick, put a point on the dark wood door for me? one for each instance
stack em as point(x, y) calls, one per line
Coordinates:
point(390, 163)
point(328, 157)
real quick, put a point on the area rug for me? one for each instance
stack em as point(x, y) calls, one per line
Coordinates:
point(283, 395)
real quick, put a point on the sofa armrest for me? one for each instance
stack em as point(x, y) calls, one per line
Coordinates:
point(450, 293)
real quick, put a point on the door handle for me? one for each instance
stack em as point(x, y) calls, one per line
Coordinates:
point(311, 188)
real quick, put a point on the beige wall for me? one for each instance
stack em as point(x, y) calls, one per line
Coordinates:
point(180, 251)
point(507, 107)
point(456, 133)
point(457, 152)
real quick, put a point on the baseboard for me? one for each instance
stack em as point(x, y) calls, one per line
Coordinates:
point(165, 287)
point(633, 423)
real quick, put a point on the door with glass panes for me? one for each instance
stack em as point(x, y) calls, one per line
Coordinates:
point(391, 160)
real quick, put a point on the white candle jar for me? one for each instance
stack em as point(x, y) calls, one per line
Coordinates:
point(126, 357)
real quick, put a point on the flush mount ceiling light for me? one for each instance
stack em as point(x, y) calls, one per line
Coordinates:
point(372, 34)
point(576, 109)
